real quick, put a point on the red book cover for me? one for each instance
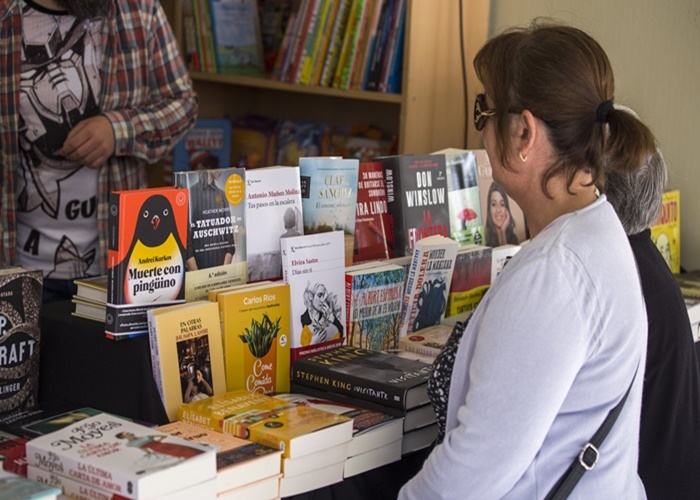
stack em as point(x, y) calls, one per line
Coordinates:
point(374, 238)
point(146, 257)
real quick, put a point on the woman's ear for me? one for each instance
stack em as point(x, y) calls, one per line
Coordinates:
point(527, 131)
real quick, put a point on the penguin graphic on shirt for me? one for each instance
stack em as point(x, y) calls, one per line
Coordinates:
point(154, 267)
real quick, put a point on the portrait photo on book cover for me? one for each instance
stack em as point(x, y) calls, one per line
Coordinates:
point(321, 320)
point(195, 369)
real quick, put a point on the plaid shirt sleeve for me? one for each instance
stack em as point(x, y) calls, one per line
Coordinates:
point(147, 92)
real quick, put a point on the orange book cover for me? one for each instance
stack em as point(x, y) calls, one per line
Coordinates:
point(146, 256)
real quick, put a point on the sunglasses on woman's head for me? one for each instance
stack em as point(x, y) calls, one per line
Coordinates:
point(481, 112)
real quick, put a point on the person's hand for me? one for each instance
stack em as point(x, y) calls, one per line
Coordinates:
point(90, 142)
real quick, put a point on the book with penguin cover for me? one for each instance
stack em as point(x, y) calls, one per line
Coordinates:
point(146, 256)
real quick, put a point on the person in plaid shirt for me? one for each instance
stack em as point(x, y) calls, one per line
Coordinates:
point(91, 91)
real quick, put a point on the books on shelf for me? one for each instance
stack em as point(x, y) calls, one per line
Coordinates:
point(296, 430)
point(374, 376)
point(428, 283)
point(206, 145)
point(373, 431)
point(428, 341)
point(237, 37)
point(20, 305)
point(463, 194)
point(239, 462)
point(146, 256)
point(470, 279)
point(142, 462)
point(273, 211)
point(666, 230)
point(93, 288)
point(503, 220)
point(499, 258)
point(413, 418)
point(186, 353)
point(314, 267)
point(329, 197)
point(416, 187)
point(216, 242)
point(374, 297)
point(374, 234)
point(78, 490)
point(255, 323)
point(88, 309)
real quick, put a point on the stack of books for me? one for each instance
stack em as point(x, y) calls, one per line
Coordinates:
point(314, 442)
point(104, 455)
point(376, 436)
point(90, 299)
point(243, 469)
point(374, 380)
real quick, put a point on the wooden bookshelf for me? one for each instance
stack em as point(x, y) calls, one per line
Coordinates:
point(429, 114)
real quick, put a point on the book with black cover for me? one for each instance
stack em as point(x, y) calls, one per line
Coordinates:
point(363, 374)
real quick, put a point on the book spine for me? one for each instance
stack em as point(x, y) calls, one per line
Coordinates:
point(284, 48)
point(419, 349)
point(391, 48)
point(411, 280)
point(335, 43)
point(317, 376)
point(312, 40)
point(115, 287)
point(155, 354)
point(392, 179)
point(349, 43)
point(298, 34)
point(320, 57)
point(83, 470)
point(384, 30)
point(394, 75)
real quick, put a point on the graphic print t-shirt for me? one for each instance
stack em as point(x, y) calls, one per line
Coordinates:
point(57, 198)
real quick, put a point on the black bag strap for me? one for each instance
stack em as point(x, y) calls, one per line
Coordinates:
point(588, 456)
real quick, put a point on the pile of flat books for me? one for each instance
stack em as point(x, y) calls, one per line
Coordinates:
point(314, 443)
point(90, 299)
point(374, 380)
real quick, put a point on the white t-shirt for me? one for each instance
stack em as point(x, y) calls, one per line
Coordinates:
point(57, 199)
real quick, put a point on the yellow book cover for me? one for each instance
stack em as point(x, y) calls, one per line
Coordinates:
point(186, 353)
point(255, 329)
point(666, 231)
point(296, 430)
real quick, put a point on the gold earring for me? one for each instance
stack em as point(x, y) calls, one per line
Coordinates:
point(523, 158)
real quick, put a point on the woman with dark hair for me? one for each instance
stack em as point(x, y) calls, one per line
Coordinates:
point(500, 226)
point(559, 340)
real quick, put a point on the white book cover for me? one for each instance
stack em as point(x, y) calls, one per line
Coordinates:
point(314, 267)
point(428, 283)
point(122, 457)
point(500, 257)
point(273, 211)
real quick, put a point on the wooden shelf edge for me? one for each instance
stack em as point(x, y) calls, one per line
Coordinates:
point(270, 84)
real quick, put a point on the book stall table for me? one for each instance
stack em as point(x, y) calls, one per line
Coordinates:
point(80, 367)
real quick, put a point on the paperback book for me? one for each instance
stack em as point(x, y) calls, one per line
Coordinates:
point(238, 461)
point(122, 457)
point(294, 429)
point(237, 38)
point(146, 256)
point(186, 353)
point(416, 188)
point(463, 194)
point(374, 376)
point(428, 341)
point(315, 270)
point(470, 279)
point(14, 486)
point(255, 323)
point(273, 211)
point(428, 283)
point(93, 288)
point(374, 298)
point(216, 242)
point(666, 230)
point(207, 145)
point(20, 338)
point(329, 197)
point(374, 235)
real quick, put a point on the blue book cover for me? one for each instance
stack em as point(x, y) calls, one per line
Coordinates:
point(329, 197)
point(207, 145)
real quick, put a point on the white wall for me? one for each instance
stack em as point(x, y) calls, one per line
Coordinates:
point(654, 48)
